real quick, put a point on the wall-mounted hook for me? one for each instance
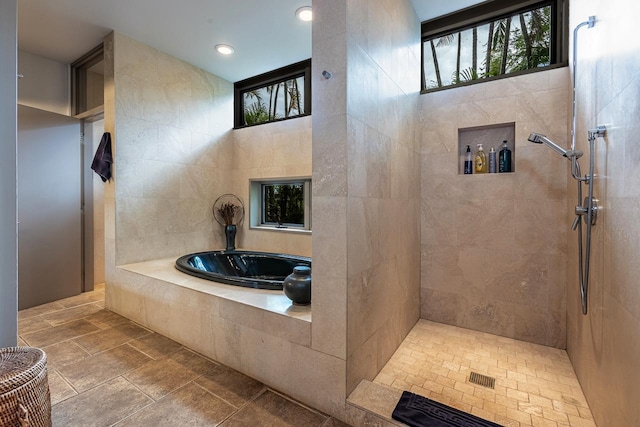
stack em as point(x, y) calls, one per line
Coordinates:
point(20, 76)
point(327, 75)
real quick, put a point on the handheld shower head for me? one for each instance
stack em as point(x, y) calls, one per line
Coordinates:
point(538, 138)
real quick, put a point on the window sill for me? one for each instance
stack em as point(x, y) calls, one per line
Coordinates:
point(280, 230)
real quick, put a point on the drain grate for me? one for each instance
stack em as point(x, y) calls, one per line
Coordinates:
point(482, 380)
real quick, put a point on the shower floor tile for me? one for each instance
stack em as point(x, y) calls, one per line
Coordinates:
point(105, 370)
point(534, 385)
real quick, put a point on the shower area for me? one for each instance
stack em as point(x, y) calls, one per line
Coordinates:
point(525, 278)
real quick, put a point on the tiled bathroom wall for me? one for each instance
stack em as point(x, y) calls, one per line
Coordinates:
point(172, 153)
point(604, 345)
point(494, 246)
point(366, 184)
point(274, 150)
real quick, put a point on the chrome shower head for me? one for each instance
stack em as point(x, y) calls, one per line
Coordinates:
point(541, 139)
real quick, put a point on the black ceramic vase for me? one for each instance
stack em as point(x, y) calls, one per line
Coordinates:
point(297, 285)
point(230, 233)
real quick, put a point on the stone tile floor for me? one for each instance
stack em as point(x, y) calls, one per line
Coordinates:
point(105, 370)
point(534, 385)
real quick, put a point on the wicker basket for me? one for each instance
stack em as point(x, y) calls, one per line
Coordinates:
point(24, 389)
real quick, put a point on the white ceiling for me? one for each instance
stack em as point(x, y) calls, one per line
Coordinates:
point(265, 34)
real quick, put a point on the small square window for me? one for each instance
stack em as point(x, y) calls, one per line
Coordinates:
point(281, 204)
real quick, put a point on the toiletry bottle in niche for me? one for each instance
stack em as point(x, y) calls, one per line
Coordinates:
point(481, 160)
point(505, 158)
point(492, 161)
point(468, 162)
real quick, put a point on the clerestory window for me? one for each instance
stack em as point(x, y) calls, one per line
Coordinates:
point(493, 39)
point(281, 94)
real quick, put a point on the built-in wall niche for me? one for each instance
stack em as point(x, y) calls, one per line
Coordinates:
point(489, 136)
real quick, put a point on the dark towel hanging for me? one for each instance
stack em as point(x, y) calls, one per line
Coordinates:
point(102, 160)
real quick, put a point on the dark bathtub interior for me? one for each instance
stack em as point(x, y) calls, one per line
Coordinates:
point(260, 270)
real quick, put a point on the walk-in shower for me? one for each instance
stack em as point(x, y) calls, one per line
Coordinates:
point(587, 207)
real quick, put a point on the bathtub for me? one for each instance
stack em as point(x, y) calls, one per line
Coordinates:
point(261, 270)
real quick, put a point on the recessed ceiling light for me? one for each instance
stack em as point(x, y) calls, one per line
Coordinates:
point(225, 49)
point(304, 13)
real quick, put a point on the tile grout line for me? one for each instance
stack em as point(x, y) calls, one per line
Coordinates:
point(153, 401)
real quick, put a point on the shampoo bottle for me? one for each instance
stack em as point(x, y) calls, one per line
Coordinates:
point(468, 162)
point(505, 158)
point(481, 160)
point(492, 160)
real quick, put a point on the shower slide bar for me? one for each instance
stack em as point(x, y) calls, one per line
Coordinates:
point(587, 207)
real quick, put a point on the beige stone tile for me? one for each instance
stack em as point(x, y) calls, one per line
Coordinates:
point(101, 406)
point(190, 405)
point(585, 413)
point(64, 353)
point(506, 422)
point(445, 381)
point(518, 395)
point(559, 417)
point(463, 387)
point(193, 361)
point(484, 414)
point(540, 401)
point(542, 422)
point(39, 310)
point(60, 389)
point(507, 401)
point(530, 409)
point(70, 314)
point(160, 377)
point(473, 400)
point(485, 394)
point(522, 417)
point(155, 346)
point(462, 406)
point(83, 298)
point(528, 388)
point(495, 408)
point(567, 408)
point(106, 319)
point(110, 338)
point(332, 422)
point(575, 421)
point(230, 385)
point(271, 408)
point(96, 369)
point(32, 324)
point(59, 333)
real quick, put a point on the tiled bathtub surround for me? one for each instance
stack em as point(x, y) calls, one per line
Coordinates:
point(174, 156)
point(494, 246)
point(604, 345)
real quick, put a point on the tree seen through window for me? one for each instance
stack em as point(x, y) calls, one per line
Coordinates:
point(515, 43)
point(283, 204)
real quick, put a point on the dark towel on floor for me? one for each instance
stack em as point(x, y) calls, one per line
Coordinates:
point(418, 411)
point(102, 160)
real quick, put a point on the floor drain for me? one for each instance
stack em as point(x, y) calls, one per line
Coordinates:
point(482, 380)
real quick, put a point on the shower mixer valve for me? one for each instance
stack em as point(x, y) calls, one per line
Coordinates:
point(584, 210)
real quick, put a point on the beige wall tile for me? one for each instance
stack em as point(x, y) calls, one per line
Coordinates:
point(516, 219)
